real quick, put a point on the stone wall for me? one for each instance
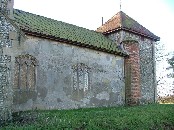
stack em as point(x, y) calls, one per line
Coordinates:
point(147, 64)
point(5, 66)
point(67, 76)
point(116, 37)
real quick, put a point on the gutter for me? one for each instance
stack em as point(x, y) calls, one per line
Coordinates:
point(154, 72)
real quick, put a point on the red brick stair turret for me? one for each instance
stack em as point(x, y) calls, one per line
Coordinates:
point(132, 72)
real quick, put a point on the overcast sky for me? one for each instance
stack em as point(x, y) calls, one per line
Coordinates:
point(155, 15)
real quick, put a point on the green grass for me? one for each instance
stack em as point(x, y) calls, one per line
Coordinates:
point(147, 117)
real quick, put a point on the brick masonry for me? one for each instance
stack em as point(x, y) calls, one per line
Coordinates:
point(148, 85)
point(132, 66)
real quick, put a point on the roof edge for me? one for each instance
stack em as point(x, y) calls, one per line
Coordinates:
point(156, 38)
point(120, 53)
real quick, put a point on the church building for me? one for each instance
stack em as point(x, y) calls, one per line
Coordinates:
point(50, 64)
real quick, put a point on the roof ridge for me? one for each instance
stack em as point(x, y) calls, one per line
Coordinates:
point(110, 20)
point(138, 23)
point(121, 18)
point(122, 21)
point(55, 20)
point(133, 19)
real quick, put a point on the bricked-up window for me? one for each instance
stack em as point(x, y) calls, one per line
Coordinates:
point(25, 72)
point(80, 80)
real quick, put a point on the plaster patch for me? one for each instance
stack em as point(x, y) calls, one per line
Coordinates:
point(103, 95)
point(86, 101)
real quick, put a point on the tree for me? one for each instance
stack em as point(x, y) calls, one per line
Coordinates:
point(171, 68)
point(171, 63)
point(161, 64)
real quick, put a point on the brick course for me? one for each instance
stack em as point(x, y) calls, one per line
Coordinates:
point(133, 87)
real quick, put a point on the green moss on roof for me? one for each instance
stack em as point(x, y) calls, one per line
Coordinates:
point(45, 26)
point(121, 21)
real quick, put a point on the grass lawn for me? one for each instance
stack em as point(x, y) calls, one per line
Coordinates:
point(147, 117)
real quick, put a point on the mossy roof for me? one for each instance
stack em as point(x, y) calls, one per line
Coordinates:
point(56, 30)
point(121, 21)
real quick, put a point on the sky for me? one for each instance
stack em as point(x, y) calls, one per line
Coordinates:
point(155, 15)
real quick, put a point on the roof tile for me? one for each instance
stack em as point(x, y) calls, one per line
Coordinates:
point(59, 30)
point(123, 21)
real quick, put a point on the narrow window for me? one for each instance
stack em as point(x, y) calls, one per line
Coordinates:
point(25, 72)
point(80, 80)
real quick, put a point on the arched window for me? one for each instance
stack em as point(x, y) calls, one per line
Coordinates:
point(25, 72)
point(80, 80)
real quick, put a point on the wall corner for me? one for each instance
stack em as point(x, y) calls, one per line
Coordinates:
point(132, 73)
